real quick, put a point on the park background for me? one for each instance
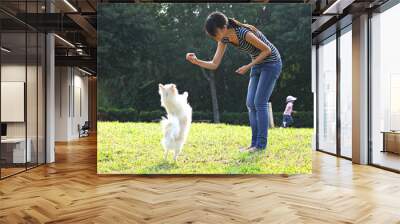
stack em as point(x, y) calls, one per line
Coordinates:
point(145, 44)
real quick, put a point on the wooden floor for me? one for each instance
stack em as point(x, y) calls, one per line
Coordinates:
point(69, 191)
point(10, 171)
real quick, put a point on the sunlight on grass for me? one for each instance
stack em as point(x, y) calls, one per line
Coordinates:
point(134, 148)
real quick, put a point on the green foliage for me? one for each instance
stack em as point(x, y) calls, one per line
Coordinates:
point(301, 118)
point(141, 45)
point(134, 148)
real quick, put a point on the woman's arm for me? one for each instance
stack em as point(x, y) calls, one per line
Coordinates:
point(214, 63)
point(256, 42)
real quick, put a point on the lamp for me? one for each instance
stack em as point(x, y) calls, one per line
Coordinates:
point(5, 50)
point(70, 5)
point(65, 41)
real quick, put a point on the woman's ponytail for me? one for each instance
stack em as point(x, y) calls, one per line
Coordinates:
point(234, 23)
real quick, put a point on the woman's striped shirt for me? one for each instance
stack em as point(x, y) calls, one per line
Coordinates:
point(253, 51)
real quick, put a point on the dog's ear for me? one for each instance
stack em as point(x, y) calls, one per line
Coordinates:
point(173, 88)
point(161, 86)
point(186, 94)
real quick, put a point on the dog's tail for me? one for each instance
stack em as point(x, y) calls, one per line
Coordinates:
point(170, 127)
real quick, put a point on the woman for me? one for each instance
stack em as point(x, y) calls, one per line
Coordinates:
point(265, 68)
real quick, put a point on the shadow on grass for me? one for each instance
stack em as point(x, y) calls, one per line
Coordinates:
point(246, 163)
point(163, 165)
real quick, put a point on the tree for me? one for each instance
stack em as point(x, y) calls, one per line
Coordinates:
point(210, 77)
point(141, 45)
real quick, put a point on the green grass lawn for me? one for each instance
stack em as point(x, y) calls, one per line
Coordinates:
point(134, 148)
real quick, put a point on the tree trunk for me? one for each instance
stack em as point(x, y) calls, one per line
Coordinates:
point(213, 91)
point(214, 99)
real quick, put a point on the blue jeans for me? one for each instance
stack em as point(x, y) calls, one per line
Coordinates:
point(262, 81)
point(287, 121)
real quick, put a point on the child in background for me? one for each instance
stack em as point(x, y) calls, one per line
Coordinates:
point(287, 114)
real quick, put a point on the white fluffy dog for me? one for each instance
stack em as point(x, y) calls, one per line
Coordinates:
point(176, 125)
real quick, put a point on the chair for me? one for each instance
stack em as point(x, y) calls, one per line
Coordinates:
point(84, 130)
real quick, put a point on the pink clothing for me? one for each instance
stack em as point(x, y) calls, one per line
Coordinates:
point(288, 109)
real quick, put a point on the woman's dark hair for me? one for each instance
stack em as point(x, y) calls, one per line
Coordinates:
point(219, 20)
point(215, 20)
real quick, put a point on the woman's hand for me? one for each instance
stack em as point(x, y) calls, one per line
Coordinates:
point(192, 58)
point(242, 70)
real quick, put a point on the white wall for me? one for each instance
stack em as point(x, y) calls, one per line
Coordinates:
point(71, 94)
point(80, 96)
point(33, 126)
point(17, 73)
point(13, 101)
point(62, 82)
point(9, 73)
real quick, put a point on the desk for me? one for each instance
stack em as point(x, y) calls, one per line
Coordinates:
point(391, 141)
point(17, 153)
